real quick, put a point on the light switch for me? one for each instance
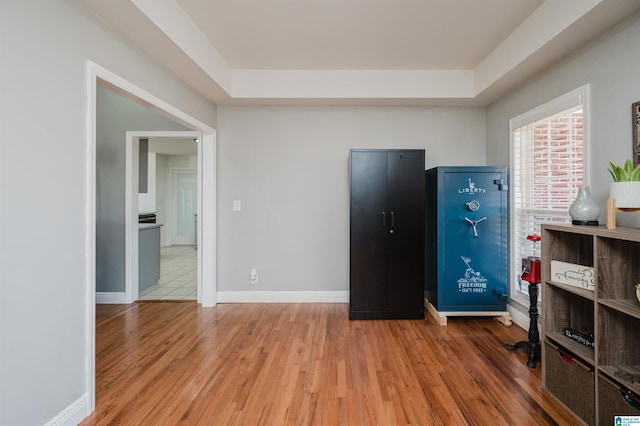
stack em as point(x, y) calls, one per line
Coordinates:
point(236, 205)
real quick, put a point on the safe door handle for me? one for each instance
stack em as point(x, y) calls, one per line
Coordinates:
point(474, 223)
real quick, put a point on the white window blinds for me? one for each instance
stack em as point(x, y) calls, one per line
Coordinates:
point(547, 166)
point(548, 162)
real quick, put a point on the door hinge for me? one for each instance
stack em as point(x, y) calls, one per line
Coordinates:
point(501, 294)
point(501, 185)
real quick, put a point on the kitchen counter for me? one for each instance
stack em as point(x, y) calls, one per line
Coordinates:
point(148, 255)
point(142, 226)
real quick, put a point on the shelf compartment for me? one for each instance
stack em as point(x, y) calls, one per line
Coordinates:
point(585, 353)
point(618, 336)
point(561, 309)
point(587, 294)
point(612, 402)
point(629, 307)
point(618, 268)
point(567, 247)
point(570, 380)
point(614, 374)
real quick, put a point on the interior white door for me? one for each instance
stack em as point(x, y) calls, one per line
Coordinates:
point(185, 202)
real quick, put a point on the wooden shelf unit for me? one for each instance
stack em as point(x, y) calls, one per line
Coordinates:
point(611, 313)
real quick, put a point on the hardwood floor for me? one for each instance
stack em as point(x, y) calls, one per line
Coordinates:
point(166, 363)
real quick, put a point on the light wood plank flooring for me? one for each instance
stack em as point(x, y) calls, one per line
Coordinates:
point(166, 363)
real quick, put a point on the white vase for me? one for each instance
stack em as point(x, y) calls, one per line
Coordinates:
point(626, 194)
point(584, 211)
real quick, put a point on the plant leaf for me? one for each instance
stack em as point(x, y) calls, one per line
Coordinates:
point(624, 175)
point(628, 167)
point(612, 171)
point(621, 174)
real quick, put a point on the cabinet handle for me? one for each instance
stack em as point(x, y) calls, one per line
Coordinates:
point(393, 219)
point(565, 356)
point(631, 398)
point(384, 219)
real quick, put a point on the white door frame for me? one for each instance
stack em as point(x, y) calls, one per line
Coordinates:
point(206, 204)
point(172, 196)
point(131, 266)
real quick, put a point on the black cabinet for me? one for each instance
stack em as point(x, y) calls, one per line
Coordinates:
point(387, 234)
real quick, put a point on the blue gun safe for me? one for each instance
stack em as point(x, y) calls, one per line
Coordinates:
point(466, 227)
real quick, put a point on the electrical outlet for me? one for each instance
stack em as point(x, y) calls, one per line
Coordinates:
point(254, 276)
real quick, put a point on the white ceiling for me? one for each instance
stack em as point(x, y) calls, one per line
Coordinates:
point(370, 52)
point(357, 35)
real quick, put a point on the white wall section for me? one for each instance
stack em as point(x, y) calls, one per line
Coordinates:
point(44, 252)
point(289, 166)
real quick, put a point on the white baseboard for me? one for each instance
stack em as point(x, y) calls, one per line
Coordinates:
point(519, 317)
point(283, 296)
point(111, 298)
point(73, 414)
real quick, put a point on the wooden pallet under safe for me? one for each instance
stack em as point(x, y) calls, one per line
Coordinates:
point(503, 317)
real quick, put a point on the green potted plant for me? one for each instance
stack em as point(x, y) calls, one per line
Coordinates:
point(625, 188)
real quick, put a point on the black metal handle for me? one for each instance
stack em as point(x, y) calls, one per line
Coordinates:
point(393, 219)
point(384, 219)
point(630, 397)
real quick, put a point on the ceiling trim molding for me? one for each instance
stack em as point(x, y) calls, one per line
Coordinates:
point(334, 84)
point(553, 30)
point(548, 21)
point(172, 20)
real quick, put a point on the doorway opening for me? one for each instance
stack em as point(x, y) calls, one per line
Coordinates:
point(183, 214)
point(206, 187)
point(158, 265)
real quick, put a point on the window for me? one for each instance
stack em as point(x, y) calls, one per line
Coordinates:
point(547, 168)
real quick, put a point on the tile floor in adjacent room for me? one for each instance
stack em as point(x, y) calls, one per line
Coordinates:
point(178, 275)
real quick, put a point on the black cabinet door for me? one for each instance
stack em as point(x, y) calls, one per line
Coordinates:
point(387, 234)
point(369, 217)
point(405, 237)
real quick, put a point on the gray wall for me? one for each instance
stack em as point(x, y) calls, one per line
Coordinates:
point(610, 65)
point(289, 168)
point(115, 115)
point(43, 198)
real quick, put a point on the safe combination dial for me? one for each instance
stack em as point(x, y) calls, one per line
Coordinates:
point(473, 205)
